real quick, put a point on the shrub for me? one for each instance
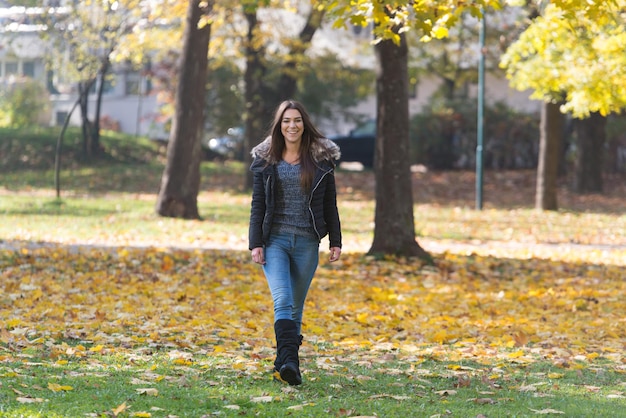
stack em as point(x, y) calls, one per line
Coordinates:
point(444, 137)
point(23, 103)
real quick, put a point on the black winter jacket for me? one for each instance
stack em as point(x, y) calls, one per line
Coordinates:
point(322, 199)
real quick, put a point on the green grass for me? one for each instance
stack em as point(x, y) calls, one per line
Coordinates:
point(130, 219)
point(206, 385)
point(129, 165)
point(123, 186)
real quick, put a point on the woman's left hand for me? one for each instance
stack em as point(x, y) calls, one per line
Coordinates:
point(335, 253)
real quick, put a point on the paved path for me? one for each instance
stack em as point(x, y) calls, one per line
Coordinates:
point(430, 245)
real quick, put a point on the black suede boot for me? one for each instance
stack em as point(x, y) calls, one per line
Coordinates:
point(277, 361)
point(287, 343)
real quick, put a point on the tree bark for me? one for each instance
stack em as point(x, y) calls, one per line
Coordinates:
point(180, 183)
point(394, 230)
point(590, 139)
point(256, 113)
point(550, 151)
point(83, 93)
point(95, 143)
point(57, 153)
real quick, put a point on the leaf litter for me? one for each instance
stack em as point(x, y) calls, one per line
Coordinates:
point(194, 304)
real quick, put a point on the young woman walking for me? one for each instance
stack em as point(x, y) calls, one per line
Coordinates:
point(294, 206)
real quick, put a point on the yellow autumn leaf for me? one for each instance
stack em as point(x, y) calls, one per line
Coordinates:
point(55, 387)
point(142, 414)
point(362, 317)
point(276, 376)
point(440, 337)
point(13, 323)
point(121, 408)
point(440, 32)
point(167, 264)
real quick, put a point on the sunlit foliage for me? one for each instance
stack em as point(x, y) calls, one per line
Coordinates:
point(581, 61)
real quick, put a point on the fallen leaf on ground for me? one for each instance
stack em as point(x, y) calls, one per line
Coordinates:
point(259, 399)
point(29, 400)
point(148, 391)
point(55, 387)
point(547, 411)
point(121, 408)
point(446, 392)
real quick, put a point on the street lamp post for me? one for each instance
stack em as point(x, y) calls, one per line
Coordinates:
point(481, 119)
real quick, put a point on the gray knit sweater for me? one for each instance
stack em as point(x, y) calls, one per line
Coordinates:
point(292, 207)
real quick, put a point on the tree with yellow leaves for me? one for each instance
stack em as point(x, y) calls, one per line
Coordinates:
point(572, 57)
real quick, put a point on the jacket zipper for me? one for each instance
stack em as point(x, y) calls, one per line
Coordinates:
point(267, 182)
point(311, 199)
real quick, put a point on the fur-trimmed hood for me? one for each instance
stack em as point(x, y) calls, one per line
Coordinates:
point(321, 150)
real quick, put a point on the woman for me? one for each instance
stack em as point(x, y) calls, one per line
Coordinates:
point(294, 206)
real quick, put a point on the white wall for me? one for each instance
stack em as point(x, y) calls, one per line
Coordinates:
point(135, 114)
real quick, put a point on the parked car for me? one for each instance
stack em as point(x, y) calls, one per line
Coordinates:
point(358, 145)
point(226, 147)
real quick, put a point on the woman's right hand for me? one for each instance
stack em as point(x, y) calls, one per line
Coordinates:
point(258, 255)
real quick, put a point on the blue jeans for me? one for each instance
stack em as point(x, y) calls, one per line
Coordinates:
point(290, 263)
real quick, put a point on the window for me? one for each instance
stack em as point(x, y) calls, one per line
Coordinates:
point(133, 84)
point(108, 85)
point(60, 118)
point(107, 88)
point(10, 68)
point(28, 69)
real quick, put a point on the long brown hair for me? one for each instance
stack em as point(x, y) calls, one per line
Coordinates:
point(310, 135)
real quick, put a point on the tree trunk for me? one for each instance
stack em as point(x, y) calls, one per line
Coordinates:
point(394, 230)
point(83, 92)
point(256, 114)
point(550, 146)
point(590, 138)
point(95, 143)
point(180, 184)
point(287, 85)
point(57, 153)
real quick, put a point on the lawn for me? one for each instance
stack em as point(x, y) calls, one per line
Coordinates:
point(109, 310)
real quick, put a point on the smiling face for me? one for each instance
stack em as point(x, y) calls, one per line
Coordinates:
point(292, 127)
